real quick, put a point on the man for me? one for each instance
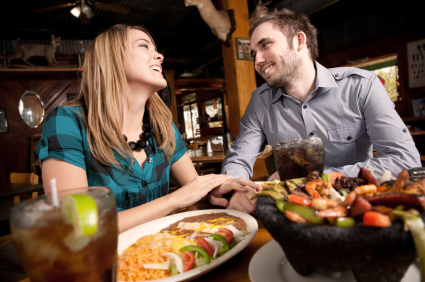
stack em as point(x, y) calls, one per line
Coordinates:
point(348, 108)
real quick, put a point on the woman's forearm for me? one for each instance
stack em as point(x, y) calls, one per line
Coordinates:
point(147, 212)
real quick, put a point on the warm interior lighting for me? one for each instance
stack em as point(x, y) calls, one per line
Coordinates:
point(86, 10)
point(76, 12)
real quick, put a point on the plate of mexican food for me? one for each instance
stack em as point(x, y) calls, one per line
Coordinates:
point(183, 246)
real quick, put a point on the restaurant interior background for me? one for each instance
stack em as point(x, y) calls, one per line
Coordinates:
point(210, 83)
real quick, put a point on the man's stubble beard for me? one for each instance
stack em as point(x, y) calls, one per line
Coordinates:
point(289, 73)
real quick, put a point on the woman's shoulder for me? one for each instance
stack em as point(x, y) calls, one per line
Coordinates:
point(65, 112)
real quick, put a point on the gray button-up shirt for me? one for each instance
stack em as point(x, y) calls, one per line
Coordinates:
point(349, 110)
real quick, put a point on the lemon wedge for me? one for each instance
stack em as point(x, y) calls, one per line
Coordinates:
point(81, 211)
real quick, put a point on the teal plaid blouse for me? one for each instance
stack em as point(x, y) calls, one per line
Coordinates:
point(64, 138)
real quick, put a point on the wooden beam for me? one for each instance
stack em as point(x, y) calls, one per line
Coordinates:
point(239, 74)
point(169, 76)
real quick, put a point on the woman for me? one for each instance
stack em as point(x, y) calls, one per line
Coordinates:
point(118, 133)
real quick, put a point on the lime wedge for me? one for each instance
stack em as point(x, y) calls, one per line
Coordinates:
point(81, 211)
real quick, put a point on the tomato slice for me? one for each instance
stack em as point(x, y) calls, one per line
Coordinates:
point(188, 259)
point(201, 242)
point(228, 234)
point(372, 218)
point(299, 200)
point(294, 217)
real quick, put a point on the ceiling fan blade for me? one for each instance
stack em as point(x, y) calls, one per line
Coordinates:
point(55, 7)
point(111, 8)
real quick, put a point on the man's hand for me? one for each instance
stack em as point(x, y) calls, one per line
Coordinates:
point(239, 185)
point(274, 176)
point(241, 201)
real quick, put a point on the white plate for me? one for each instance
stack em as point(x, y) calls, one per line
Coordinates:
point(129, 237)
point(269, 264)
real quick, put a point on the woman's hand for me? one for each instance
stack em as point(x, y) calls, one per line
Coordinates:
point(197, 189)
point(240, 185)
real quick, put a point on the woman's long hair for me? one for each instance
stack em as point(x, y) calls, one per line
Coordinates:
point(103, 85)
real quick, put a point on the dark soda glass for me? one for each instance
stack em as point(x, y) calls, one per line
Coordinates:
point(297, 158)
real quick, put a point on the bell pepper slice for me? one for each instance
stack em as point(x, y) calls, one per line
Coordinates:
point(299, 200)
point(280, 205)
point(345, 222)
point(200, 250)
point(307, 213)
point(232, 244)
point(221, 239)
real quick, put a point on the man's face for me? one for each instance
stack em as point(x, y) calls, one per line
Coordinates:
point(274, 60)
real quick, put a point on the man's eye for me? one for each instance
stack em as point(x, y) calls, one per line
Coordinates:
point(265, 44)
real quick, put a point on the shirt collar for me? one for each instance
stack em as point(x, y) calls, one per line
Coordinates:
point(324, 79)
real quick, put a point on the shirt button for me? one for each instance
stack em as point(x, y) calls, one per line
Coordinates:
point(144, 183)
point(404, 130)
point(336, 75)
point(311, 133)
point(149, 160)
point(349, 138)
point(43, 142)
point(305, 106)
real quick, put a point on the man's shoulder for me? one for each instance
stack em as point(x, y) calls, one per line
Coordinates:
point(350, 72)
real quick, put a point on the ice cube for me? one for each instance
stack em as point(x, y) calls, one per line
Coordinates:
point(76, 243)
point(315, 139)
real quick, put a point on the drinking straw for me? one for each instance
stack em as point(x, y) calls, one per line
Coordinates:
point(55, 198)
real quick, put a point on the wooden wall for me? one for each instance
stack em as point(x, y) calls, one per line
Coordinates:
point(15, 145)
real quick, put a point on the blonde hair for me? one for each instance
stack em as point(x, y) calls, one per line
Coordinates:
point(102, 86)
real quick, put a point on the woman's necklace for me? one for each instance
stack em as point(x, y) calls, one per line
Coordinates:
point(144, 136)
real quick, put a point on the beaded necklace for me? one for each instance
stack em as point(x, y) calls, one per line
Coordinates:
point(144, 136)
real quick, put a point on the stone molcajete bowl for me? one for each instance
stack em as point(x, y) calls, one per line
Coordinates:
point(372, 253)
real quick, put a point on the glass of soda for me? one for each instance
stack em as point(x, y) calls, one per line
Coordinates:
point(49, 246)
point(297, 158)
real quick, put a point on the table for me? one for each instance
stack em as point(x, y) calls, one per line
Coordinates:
point(13, 190)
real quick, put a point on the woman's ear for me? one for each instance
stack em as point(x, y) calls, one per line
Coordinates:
point(301, 41)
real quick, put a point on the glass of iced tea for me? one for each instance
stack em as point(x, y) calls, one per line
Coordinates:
point(52, 248)
point(297, 158)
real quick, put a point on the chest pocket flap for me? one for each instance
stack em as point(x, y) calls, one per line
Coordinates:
point(346, 133)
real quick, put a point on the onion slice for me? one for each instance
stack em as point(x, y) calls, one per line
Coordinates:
point(213, 245)
point(177, 260)
point(236, 233)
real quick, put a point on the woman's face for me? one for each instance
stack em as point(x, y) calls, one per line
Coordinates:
point(142, 64)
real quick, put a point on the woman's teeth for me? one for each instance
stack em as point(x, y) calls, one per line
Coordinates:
point(268, 69)
point(156, 68)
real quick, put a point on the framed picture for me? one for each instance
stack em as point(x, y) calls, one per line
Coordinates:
point(243, 48)
point(416, 63)
point(4, 126)
point(2, 61)
point(419, 107)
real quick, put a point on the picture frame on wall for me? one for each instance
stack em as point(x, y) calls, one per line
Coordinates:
point(4, 126)
point(243, 48)
point(416, 63)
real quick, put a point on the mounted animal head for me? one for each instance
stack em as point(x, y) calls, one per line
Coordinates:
point(222, 23)
point(260, 9)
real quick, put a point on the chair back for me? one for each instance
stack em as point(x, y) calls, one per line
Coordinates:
point(24, 178)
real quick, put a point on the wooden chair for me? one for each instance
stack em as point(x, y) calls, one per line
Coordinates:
point(24, 178)
point(194, 146)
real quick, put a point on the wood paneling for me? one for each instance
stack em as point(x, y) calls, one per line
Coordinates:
point(15, 145)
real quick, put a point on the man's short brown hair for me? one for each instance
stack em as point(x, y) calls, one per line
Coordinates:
point(290, 23)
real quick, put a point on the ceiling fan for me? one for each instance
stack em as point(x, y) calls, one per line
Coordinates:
point(83, 9)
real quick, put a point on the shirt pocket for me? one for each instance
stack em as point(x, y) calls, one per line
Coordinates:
point(343, 149)
point(274, 138)
point(346, 133)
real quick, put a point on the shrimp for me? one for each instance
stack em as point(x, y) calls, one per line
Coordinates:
point(339, 211)
point(315, 187)
point(417, 188)
point(323, 204)
point(365, 189)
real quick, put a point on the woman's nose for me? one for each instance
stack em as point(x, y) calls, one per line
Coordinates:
point(159, 56)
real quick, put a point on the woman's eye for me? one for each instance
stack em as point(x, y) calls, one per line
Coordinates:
point(144, 45)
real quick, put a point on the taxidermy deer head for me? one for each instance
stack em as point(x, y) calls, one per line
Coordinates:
point(260, 9)
point(222, 23)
